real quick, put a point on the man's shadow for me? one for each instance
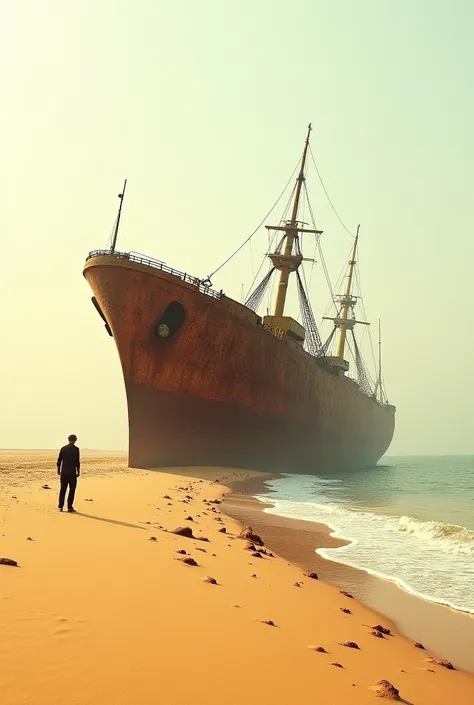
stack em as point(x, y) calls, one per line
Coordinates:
point(110, 521)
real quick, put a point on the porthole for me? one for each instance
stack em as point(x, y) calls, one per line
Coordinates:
point(171, 321)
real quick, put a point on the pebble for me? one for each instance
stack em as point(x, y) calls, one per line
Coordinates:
point(189, 561)
point(383, 630)
point(185, 531)
point(441, 662)
point(384, 689)
point(248, 534)
point(8, 561)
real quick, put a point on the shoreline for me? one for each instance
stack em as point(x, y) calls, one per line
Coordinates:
point(102, 606)
point(444, 630)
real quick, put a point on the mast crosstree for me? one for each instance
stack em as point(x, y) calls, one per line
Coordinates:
point(288, 262)
point(342, 321)
point(288, 258)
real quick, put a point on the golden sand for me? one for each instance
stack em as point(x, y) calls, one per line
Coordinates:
point(102, 611)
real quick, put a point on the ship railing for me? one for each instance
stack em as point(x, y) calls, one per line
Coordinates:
point(158, 264)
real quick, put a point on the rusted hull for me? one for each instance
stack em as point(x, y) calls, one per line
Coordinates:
point(223, 391)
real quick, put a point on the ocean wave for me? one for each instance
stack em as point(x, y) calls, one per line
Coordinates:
point(450, 538)
point(428, 558)
point(456, 598)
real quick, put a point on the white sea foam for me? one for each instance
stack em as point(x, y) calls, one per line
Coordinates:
point(428, 558)
point(448, 538)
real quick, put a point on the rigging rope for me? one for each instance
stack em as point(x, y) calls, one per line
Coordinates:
point(364, 382)
point(318, 245)
point(327, 195)
point(299, 251)
point(256, 297)
point(312, 341)
point(278, 249)
point(258, 226)
point(361, 299)
point(313, 263)
point(328, 342)
point(112, 232)
point(339, 284)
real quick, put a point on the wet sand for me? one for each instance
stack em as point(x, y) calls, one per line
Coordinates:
point(447, 632)
point(102, 610)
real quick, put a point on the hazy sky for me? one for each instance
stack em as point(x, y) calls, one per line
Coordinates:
point(203, 106)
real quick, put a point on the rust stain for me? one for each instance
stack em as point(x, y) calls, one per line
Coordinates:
point(223, 390)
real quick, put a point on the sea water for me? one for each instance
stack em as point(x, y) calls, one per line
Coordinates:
point(409, 520)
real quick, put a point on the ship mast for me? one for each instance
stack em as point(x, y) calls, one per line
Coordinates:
point(117, 222)
point(342, 320)
point(347, 301)
point(378, 384)
point(288, 262)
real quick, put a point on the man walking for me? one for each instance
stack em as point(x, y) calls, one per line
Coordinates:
point(69, 469)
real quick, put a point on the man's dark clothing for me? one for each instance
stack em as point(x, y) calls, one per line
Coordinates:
point(69, 460)
point(71, 482)
point(69, 465)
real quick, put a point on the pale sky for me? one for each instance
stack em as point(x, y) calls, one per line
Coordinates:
point(203, 106)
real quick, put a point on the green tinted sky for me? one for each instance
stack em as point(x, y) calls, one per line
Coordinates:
point(204, 106)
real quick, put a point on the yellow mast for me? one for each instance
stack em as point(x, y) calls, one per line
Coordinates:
point(342, 320)
point(288, 262)
point(347, 302)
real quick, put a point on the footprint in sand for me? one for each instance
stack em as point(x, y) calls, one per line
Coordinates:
point(62, 631)
point(62, 627)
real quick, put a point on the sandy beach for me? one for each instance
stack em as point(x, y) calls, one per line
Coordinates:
point(102, 609)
